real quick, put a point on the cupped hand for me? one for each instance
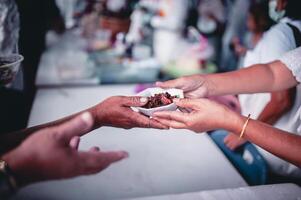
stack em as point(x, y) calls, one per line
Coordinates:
point(194, 86)
point(117, 112)
point(52, 153)
point(232, 141)
point(205, 115)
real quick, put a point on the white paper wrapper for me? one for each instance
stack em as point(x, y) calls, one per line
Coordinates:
point(151, 92)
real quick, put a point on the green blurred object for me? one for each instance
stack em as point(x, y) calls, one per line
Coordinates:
point(176, 69)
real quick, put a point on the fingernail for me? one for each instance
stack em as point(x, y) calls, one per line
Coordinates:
point(96, 148)
point(87, 118)
point(143, 99)
point(176, 100)
point(124, 154)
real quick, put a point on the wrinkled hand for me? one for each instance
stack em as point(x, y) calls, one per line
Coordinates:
point(233, 141)
point(117, 112)
point(194, 86)
point(52, 154)
point(205, 115)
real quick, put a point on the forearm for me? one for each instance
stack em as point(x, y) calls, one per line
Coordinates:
point(280, 143)
point(11, 140)
point(280, 104)
point(255, 79)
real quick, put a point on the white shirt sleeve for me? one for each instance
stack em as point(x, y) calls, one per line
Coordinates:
point(275, 42)
point(292, 60)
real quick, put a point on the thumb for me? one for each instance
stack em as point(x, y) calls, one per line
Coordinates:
point(190, 104)
point(77, 126)
point(168, 84)
point(94, 162)
point(134, 101)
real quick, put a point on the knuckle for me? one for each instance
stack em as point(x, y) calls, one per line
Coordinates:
point(56, 133)
point(189, 123)
point(115, 98)
point(134, 100)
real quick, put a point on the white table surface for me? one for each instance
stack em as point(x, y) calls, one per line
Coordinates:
point(275, 192)
point(48, 76)
point(161, 162)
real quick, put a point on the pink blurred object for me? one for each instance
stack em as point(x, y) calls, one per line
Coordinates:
point(141, 87)
point(230, 101)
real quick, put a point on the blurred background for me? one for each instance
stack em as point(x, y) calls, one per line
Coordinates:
point(99, 43)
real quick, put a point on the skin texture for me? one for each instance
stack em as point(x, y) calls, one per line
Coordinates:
point(117, 112)
point(114, 111)
point(206, 115)
point(270, 77)
point(50, 151)
point(281, 102)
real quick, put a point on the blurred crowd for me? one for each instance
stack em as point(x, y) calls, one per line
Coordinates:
point(226, 34)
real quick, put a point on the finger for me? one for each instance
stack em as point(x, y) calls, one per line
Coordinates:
point(145, 122)
point(232, 146)
point(93, 162)
point(185, 110)
point(77, 126)
point(172, 124)
point(227, 139)
point(228, 144)
point(156, 124)
point(94, 149)
point(191, 104)
point(171, 115)
point(169, 84)
point(134, 101)
point(74, 142)
point(194, 95)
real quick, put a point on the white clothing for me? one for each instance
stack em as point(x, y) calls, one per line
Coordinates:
point(275, 43)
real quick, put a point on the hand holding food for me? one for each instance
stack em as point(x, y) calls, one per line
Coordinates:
point(117, 112)
point(52, 153)
point(159, 99)
point(205, 115)
point(194, 86)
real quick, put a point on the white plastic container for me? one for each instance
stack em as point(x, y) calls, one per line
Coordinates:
point(151, 92)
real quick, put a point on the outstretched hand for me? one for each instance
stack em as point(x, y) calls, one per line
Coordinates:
point(117, 112)
point(52, 153)
point(194, 86)
point(205, 115)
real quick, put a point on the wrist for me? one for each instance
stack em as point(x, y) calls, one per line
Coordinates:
point(233, 122)
point(208, 85)
point(97, 116)
point(8, 178)
point(16, 166)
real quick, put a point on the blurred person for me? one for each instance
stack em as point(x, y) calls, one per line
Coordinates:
point(205, 115)
point(169, 24)
point(36, 18)
point(12, 100)
point(277, 108)
point(235, 27)
point(50, 151)
point(258, 22)
point(212, 21)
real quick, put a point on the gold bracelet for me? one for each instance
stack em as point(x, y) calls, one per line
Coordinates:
point(244, 127)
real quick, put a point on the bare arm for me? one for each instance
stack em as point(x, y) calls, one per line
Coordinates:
point(207, 115)
point(11, 140)
point(280, 143)
point(114, 111)
point(280, 103)
point(258, 78)
point(269, 77)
